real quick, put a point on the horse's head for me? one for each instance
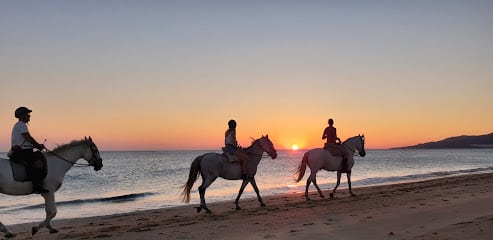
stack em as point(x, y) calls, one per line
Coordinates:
point(357, 144)
point(267, 146)
point(92, 155)
point(361, 145)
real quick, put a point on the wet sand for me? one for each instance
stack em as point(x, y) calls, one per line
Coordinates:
point(459, 207)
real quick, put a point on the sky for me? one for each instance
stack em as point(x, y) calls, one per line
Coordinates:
point(168, 75)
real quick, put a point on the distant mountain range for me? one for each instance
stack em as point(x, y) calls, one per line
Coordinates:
point(482, 141)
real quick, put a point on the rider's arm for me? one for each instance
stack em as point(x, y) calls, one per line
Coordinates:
point(33, 141)
point(338, 140)
point(324, 135)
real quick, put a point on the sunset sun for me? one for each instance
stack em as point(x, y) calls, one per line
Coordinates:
point(294, 147)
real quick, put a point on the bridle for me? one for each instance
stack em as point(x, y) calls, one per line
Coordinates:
point(256, 154)
point(354, 151)
point(94, 151)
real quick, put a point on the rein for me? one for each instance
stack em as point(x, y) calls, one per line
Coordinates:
point(351, 149)
point(66, 160)
point(246, 150)
point(256, 154)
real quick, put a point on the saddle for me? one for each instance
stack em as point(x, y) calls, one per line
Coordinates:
point(231, 158)
point(334, 149)
point(22, 169)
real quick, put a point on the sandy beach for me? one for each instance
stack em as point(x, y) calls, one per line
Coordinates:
point(459, 207)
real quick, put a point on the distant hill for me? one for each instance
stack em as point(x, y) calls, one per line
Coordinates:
point(482, 141)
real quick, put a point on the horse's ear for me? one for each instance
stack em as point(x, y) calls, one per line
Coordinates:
point(267, 136)
point(90, 138)
point(85, 138)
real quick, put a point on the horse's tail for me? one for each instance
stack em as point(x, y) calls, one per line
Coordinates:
point(192, 177)
point(302, 167)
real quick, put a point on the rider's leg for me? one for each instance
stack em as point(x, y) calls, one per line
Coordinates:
point(38, 172)
point(344, 163)
point(244, 163)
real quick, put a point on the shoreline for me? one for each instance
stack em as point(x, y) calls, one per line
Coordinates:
point(452, 207)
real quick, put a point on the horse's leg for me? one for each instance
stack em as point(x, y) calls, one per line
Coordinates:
point(6, 232)
point(318, 189)
point(243, 185)
point(254, 184)
point(312, 178)
point(306, 188)
point(337, 184)
point(348, 174)
point(206, 182)
point(51, 211)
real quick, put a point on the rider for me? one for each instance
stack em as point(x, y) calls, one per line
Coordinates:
point(23, 145)
point(233, 148)
point(333, 143)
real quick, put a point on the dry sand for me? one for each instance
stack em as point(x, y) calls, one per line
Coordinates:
point(459, 207)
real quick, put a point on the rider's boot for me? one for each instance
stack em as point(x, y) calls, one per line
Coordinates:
point(37, 180)
point(38, 188)
point(344, 167)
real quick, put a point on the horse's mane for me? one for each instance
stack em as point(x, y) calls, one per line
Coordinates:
point(349, 139)
point(68, 145)
point(251, 145)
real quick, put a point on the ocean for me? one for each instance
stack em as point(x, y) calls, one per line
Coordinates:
point(132, 181)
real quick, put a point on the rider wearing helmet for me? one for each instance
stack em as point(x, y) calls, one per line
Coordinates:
point(23, 145)
point(333, 144)
point(233, 148)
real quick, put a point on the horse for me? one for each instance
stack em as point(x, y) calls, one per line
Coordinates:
point(213, 165)
point(319, 158)
point(59, 161)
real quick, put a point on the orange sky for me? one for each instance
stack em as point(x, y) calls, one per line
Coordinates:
point(155, 76)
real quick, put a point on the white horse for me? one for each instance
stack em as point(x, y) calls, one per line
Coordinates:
point(213, 165)
point(59, 161)
point(320, 158)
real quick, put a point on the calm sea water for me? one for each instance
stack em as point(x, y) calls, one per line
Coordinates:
point(131, 181)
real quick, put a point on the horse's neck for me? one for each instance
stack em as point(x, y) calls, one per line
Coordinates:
point(350, 144)
point(66, 158)
point(255, 152)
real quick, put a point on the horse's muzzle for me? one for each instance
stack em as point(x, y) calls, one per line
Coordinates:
point(98, 166)
point(273, 155)
point(363, 153)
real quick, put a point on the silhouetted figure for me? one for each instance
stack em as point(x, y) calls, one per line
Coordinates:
point(333, 144)
point(23, 145)
point(233, 148)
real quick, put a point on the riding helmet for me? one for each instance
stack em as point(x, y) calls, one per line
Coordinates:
point(20, 111)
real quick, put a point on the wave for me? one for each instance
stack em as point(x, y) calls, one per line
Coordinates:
point(114, 199)
point(417, 177)
point(383, 180)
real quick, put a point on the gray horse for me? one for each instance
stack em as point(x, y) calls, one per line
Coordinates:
point(59, 162)
point(214, 165)
point(320, 158)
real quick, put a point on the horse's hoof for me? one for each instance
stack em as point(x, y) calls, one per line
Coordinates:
point(10, 235)
point(34, 230)
point(331, 195)
point(53, 230)
point(353, 195)
point(208, 210)
point(262, 205)
point(238, 208)
point(322, 196)
point(198, 209)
